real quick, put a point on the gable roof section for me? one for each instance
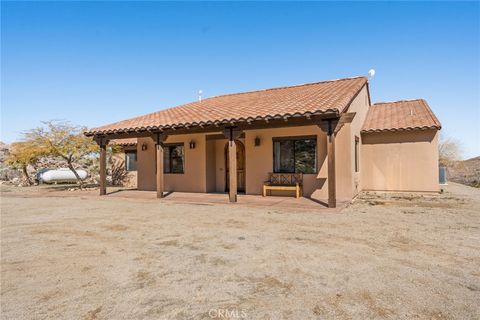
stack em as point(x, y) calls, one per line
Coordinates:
point(400, 116)
point(305, 99)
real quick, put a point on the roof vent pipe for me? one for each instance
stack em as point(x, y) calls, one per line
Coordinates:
point(200, 92)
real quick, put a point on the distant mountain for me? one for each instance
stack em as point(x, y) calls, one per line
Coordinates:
point(465, 172)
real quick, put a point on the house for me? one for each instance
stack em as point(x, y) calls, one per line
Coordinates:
point(327, 130)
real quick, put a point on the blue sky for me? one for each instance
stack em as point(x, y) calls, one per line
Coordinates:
point(98, 62)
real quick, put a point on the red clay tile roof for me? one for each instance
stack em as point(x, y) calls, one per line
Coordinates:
point(311, 98)
point(124, 142)
point(399, 116)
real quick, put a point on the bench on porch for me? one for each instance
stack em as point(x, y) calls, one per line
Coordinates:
point(284, 182)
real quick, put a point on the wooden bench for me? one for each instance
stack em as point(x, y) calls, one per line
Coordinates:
point(285, 182)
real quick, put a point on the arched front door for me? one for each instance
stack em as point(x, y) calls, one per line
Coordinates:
point(240, 167)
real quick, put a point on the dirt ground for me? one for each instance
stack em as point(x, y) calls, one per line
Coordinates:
point(384, 257)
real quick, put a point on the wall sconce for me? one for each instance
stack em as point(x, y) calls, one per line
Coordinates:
point(257, 141)
point(192, 144)
point(144, 146)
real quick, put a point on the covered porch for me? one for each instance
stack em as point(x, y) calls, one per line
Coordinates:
point(236, 171)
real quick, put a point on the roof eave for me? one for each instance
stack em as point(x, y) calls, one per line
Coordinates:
point(334, 112)
point(384, 130)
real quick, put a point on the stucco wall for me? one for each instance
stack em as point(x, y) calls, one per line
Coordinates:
point(119, 159)
point(194, 177)
point(400, 161)
point(352, 182)
point(343, 161)
point(259, 160)
point(146, 164)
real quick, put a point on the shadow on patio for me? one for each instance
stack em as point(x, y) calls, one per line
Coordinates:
point(272, 202)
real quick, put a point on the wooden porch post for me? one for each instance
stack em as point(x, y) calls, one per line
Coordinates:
point(332, 191)
point(103, 166)
point(159, 171)
point(331, 127)
point(232, 133)
point(232, 167)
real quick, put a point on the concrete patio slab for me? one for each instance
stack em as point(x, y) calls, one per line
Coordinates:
point(274, 202)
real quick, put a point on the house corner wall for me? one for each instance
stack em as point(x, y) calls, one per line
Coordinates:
point(343, 170)
point(400, 161)
point(349, 182)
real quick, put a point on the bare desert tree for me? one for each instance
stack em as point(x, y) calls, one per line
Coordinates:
point(64, 140)
point(119, 173)
point(449, 151)
point(22, 154)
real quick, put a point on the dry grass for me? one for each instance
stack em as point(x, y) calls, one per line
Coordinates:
point(386, 257)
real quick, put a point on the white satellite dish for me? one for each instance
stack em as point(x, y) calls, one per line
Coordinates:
point(371, 73)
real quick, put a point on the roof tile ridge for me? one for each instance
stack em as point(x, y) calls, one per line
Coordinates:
point(397, 101)
point(430, 113)
point(288, 87)
point(237, 93)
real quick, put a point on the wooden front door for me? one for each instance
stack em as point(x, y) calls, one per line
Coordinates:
point(240, 167)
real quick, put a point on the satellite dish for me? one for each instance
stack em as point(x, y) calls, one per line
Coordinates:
point(371, 73)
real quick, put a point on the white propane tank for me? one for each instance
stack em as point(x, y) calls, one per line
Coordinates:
point(61, 175)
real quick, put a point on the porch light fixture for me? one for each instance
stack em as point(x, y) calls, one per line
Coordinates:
point(257, 141)
point(192, 144)
point(144, 146)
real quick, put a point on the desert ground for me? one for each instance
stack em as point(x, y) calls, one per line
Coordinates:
point(74, 255)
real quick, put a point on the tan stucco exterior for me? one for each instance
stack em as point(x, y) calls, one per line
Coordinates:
point(146, 164)
point(387, 161)
point(205, 165)
point(348, 181)
point(194, 177)
point(400, 161)
point(259, 159)
point(118, 158)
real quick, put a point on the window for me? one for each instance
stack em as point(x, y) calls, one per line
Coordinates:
point(295, 155)
point(130, 160)
point(173, 158)
point(357, 160)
